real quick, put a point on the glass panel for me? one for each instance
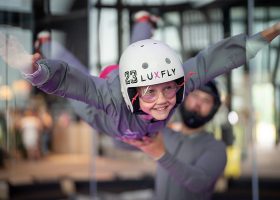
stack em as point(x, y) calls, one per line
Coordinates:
point(60, 7)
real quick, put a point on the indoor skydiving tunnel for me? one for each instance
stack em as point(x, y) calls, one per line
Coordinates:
point(51, 147)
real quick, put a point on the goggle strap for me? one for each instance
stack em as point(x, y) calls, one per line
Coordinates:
point(134, 98)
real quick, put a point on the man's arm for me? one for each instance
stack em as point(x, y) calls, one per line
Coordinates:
point(196, 177)
point(153, 147)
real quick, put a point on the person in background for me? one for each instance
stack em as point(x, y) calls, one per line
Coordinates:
point(3, 135)
point(31, 128)
point(189, 160)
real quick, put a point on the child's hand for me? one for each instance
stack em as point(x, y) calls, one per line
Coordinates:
point(154, 147)
point(277, 27)
point(13, 53)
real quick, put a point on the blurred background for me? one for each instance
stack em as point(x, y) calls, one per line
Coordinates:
point(70, 160)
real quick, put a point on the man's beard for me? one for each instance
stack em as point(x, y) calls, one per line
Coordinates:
point(192, 119)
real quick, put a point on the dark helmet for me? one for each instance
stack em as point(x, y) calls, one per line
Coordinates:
point(194, 120)
point(211, 88)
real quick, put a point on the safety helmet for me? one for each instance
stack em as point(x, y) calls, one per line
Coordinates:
point(148, 62)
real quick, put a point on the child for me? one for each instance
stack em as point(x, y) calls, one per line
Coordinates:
point(137, 100)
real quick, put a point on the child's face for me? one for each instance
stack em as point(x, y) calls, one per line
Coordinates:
point(158, 100)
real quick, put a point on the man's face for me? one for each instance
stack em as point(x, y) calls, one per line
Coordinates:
point(199, 102)
point(158, 100)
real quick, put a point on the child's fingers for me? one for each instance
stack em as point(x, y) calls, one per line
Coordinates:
point(138, 143)
point(36, 57)
point(147, 139)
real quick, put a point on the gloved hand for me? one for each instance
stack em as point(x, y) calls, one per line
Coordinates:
point(14, 55)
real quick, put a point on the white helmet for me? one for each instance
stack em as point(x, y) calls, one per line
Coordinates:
point(148, 62)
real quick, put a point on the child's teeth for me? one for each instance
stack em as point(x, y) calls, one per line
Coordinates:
point(161, 108)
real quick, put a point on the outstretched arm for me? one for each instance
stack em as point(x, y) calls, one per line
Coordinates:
point(271, 32)
point(55, 77)
point(256, 42)
point(59, 78)
point(225, 55)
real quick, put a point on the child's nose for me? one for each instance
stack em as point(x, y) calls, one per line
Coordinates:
point(161, 98)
